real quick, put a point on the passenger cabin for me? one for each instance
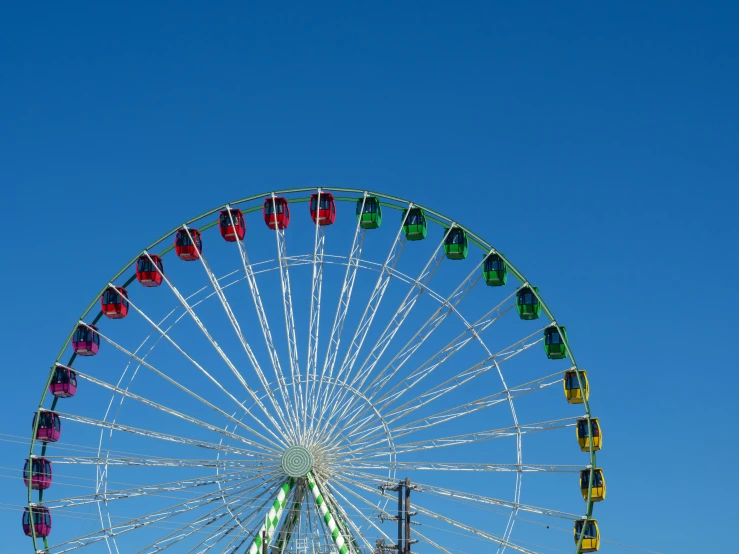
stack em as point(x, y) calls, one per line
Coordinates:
point(146, 270)
point(49, 426)
point(555, 345)
point(37, 520)
point(232, 224)
point(583, 434)
point(455, 243)
point(188, 244)
point(572, 386)
point(86, 340)
point(598, 491)
point(114, 303)
point(591, 535)
point(494, 270)
point(369, 212)
point(64, 382)
point(528, 304)
point(414, 225)
point(322, 208)
point(276, 212)
point(40, 474)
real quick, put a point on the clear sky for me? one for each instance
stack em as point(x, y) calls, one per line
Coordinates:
point(594, 143)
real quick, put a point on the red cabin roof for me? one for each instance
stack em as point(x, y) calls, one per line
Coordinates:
point(232, 225)
point(40, 475)
point(323, 209)
point(188, 249)
point(114, 303)
point(64, 382)
point(146, 270)
point(276, 212)
point(86, 340)
point(41, 523)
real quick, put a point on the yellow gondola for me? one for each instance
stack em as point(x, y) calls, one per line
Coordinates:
point(598, 492)
point(583, 434)
point(572, 386)
point(591, 536)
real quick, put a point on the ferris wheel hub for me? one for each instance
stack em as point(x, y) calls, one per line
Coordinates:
point(297, 461)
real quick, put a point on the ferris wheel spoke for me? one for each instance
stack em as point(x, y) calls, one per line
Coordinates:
point(342, 309)
point(314, 321)
point(138, 522)
point(165, 436)
point(473, 406)
point(258, 466)
point(373, 304)
point(287, 300)
point(267, 333)
point(357, 532)
point(175, 413)
point(391, 329)
point(423, 333)
point(346, 466)
point(244, 344)
point(183, 388)
point(423, 511)
point(467, 438)
point(472, 372)
point(145, 490)
point(217, 348)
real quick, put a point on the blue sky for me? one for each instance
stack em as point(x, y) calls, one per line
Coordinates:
point(594, 144)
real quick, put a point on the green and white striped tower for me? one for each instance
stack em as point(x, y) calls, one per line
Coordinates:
point(328, 517)
point(273, 517)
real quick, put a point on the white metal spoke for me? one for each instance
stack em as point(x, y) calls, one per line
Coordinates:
point(176, 413)
point(244, 344)
point(368, 316)
point(292, 343)
point(257, 465)
point(187, 390)
point(139, 522)
point(346, 466)
point(217, 348)
point(164, 436)
point(391, 329)
point(466, 438)
point(345, 515)
point(342, 309)
point(267, 333)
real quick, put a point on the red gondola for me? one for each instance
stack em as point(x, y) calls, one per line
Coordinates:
point(188, 249)
point(146, 270)
point(49, 426)
point(86, 340)
point(64, 382)
point(41, 474)
point(41, 521)
point(113, 304)
point(276, 212)
point(324, 208)
point(232, 225)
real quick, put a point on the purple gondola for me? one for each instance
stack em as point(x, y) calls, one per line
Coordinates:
point(41, 521)
point(41, 474)
point(64, 382)
point(86, 340)
point(49, 426)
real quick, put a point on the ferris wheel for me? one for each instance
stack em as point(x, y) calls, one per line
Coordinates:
point(349, 373)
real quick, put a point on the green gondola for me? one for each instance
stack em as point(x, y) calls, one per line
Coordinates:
point(415, 224)
point(528, 303)
point(495, 270)
point(455, 243)
point(555, 345)
point(371, 216)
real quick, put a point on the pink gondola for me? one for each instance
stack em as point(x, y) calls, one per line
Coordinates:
point(49, 426)
point(41, 521)
point(86, 340)
point(64, 382)
point(41, 474)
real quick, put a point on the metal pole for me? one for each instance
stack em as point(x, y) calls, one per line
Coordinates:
point(407, 515)
point(400, 518)
point(264, 542)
